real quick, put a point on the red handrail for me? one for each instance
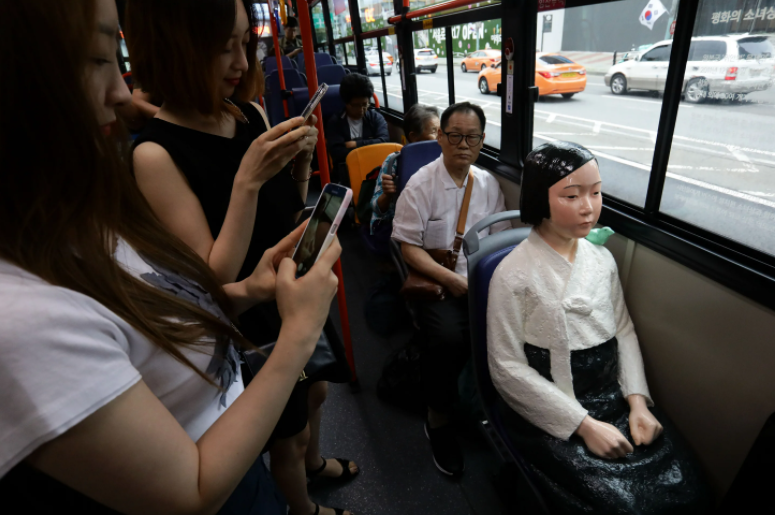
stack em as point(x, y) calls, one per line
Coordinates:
point(278, 58)
point(325, 178)
point(432, 9)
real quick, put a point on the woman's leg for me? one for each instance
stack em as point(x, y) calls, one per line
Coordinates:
point(317, 395)
point(287, 463)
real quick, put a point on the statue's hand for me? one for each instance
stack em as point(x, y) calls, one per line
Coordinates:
point(644, 426)
point(603, 439)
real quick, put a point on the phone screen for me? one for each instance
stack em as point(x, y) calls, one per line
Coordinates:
point(317, 230)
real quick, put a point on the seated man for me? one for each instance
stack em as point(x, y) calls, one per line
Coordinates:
point(426, 218)
point(356, 126)
point(289, 43)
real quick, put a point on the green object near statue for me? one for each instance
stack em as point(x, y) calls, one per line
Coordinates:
point(600, 236)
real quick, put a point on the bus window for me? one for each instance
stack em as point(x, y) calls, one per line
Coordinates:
point(319, 23)
point(350, 54)
point(722, 161)
point(375, 13)
point(376, 65)
point(339, 48)
point(340, 18)
point(477, 64)
point(392, 80)
point(612, 108)
point(430, 66)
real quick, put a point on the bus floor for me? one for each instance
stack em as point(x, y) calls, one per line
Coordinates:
point(397, 473)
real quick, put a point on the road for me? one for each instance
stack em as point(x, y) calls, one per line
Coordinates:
point(721, 174)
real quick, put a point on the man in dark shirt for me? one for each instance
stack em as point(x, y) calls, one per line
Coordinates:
point(358, 125)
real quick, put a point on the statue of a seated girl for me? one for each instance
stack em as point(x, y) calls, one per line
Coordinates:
point(565, 359)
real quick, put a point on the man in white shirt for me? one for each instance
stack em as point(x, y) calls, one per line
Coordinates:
point(426, 218)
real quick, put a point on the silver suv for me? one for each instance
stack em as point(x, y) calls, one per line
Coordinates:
point(724, 67)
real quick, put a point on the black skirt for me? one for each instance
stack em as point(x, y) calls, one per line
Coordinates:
point(659, 479)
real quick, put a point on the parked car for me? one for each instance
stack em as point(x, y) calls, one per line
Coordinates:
point(479, 60)
point(726, 67)
point(555, 74)
point(372, 63)
point(425, 59)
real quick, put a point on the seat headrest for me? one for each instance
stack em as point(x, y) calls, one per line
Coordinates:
point(413, 157)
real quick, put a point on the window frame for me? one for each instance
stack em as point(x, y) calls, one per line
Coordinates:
point(743, 269)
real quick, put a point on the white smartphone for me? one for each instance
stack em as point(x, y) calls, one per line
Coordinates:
point(322, 226)
point(313, 102)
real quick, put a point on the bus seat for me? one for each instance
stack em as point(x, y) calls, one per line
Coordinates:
point(321, 59)
point(330, 105)
point(270, 64)
point(413, 157)
point(361, 161)
point(483, 258)
point(274, 94)
point(331, 74)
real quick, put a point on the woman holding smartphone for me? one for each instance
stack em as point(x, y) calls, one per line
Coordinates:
point(219, 178)
point(121, 390)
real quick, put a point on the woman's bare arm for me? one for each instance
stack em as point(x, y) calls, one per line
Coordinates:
point(178, 208)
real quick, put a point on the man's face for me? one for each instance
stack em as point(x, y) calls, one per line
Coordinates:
point(290, 32)
point(357, 107)
point(462, 152)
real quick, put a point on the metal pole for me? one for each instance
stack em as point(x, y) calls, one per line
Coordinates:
point(382, 72)
point(278, 58)
point(450, 65)
point(312, 86)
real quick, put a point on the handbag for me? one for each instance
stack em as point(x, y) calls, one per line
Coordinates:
point(419, 286)
point(327, 363)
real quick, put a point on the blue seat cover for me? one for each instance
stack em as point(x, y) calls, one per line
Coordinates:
point(413, 157)
point(270, 63)
point(331, 74)
point(273, 96)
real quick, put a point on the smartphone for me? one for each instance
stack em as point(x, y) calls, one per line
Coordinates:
point(313, 102)
point(322, 226)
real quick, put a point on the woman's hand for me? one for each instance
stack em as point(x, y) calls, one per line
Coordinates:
point(388, 185)
point(644, 426)
point(457, 284)
point(603, 439)
point(304, 302)
point(308, 148)
point(271, 151)
point(261, 284)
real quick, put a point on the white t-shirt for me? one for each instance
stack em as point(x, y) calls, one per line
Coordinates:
point(428, 208)
point(63, 355)
point(356, 127)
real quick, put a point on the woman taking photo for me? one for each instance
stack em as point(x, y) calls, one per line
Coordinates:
point(120, 394)
point(225, 183)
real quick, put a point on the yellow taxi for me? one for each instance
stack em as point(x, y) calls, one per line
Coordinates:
point(479, 60)
point(555, 74)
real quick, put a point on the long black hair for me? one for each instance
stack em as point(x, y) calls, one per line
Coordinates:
point(544, 167)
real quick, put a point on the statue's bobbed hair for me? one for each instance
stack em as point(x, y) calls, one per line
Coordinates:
point(544, 167)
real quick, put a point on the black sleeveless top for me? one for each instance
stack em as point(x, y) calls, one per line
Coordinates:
point(210, 163)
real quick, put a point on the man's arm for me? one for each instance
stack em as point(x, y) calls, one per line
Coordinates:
point(336, 141)
point(381, 134)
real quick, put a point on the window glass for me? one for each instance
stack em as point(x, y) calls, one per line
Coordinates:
point(657, 54)
point(340, 18)
point(430, 66)
point(707, 50)
point(349, 55)
point(339, 49)
point(263, 23)
point(721, 172)
point(594, 90)
point(395, 97)
point(419, 4)
point(476, 49)
point(319, 23)
point(375, 13)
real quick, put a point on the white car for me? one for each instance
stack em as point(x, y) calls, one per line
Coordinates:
point(425, 59)
point(724, 67)
point(372, 62)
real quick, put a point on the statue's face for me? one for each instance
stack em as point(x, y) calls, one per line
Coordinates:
point(575, 202)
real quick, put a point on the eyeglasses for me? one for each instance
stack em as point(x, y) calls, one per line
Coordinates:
point(455, 138)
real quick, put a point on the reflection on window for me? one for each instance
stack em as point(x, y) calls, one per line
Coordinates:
point(376, 66)
point(349, 54)
point(721, 173)
point(390, 58)
point(476, 58)
point(375, 13)
point(340, 18)
point(319, 23)
point(600, 71)
point(419, 4)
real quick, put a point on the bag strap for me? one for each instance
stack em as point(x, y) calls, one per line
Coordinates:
point(461, 220)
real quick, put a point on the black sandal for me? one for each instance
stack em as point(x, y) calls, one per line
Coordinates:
point(337, 511)
point(344, 476)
